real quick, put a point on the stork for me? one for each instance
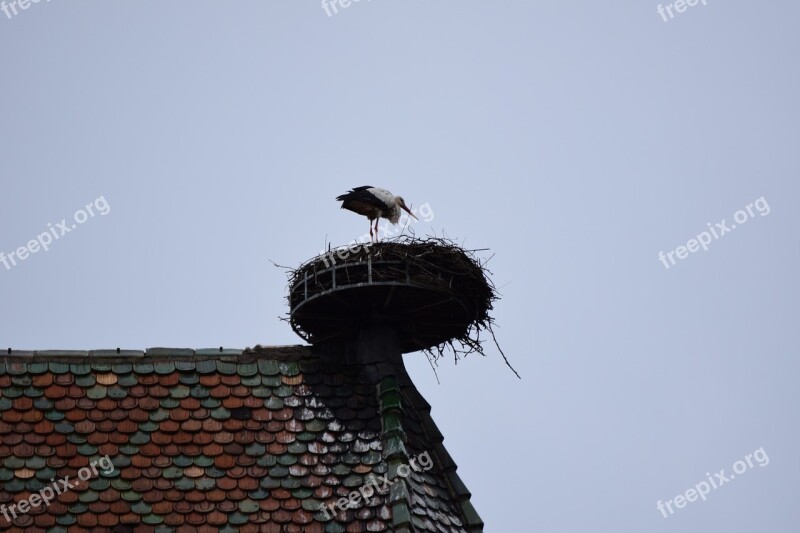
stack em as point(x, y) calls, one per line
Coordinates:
point(374, 203)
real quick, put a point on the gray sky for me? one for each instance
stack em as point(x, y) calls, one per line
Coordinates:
point(576, 140)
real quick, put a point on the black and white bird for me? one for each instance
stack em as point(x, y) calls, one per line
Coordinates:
point(374, 203)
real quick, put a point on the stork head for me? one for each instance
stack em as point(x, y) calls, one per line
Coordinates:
point(402, 204)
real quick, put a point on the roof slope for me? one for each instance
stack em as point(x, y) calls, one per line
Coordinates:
point(228, 439)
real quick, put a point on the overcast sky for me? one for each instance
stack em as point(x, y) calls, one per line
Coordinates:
point(576, 140)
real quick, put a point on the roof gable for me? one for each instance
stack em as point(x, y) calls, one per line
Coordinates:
point(183, 440)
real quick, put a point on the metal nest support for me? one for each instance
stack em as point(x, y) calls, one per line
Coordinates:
point(435, 294)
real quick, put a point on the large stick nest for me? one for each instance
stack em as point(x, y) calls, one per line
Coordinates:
point(434, 262)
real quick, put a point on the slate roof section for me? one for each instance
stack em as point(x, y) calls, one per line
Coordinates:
point(228, 440)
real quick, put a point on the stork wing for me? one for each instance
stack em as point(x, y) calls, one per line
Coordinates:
point(361, 195)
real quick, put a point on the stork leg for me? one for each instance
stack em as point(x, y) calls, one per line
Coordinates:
point(370, 230)
point(376, 229)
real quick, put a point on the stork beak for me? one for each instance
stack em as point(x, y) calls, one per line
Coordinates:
point(409, 212)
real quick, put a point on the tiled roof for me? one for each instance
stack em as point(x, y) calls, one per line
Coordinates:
point(228, 440)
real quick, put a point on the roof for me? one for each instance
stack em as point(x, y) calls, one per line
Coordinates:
point(232, 440)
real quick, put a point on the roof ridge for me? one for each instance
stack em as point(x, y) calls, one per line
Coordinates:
point(456, 486)
point(281, 352)
point(395, 452)
point(391, 395)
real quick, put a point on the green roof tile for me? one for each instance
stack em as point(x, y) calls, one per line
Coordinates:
point(117, 393)
point(203, 462)
point(274, 403)
point(37, 368)
point(164, 368)
point(226, 368)
point(205, 483)
point(169, 403)
point(15, 485)
point(283, 391)
point(289, 368)
point(34, 463)
point(268, 366)
point(215, 472)
point(180, 391)
point(286, 460)
point(297, 448)
point(121, 484)
point(152, 519)
point(189, 379)
point(13, 462)
point(199, 392)
point(143, 369)
point(271, 381)
point(238, 518)
point(54, 416)
point(270, 483)
point(139, 438)
point(45, 474)
point(248, 506)
point(302, 493)
point(259, 494)
point(291, 483)
point(87, 449)
point(76, 438)
point(182, 461)
point(220, 413)
point(185, 366)
point(141, 508)
point(58, 368)
point(128, 380)
point(206, 367)
point(97, 393)
point(66, 519)
point(78, 508)
point(100, 484)
point(80, 369)
point(12, 392)
point(173, 472)
point(88, 496)
point(33, 392)
point(247, 369)
point(64, 428)
point(122, 368)
point(210, 403)
point(184, 484)
point(262, 392)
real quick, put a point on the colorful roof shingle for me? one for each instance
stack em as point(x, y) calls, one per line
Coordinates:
point(229, 440)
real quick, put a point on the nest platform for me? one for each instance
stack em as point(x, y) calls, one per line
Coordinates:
point(431, 292)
